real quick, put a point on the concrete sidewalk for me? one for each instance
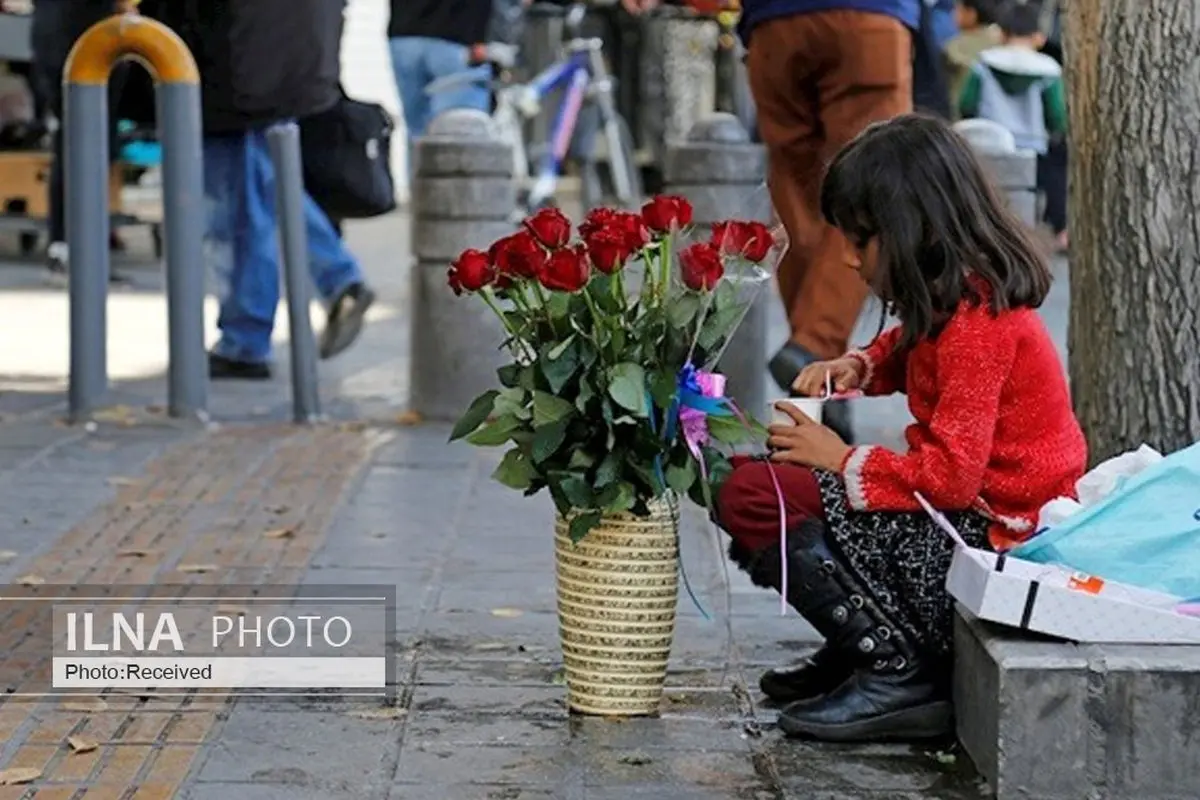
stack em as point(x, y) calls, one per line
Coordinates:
point(371, 501)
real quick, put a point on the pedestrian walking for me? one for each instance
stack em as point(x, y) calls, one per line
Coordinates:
point(820, 72)
point(263, 62)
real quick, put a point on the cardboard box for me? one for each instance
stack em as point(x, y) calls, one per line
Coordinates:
point(24, 182)
point(1055, 601)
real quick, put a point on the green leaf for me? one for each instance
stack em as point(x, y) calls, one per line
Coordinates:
point(510, 375)
point(586, 393)
point(581, 459)
point(683, 309)
point(496, 432)
point(513, 402)
point(662, 388)
point(617, 498)
point(557, 350)
point(719, 325)
point(609, 469)
point(515, 470)
point(681, 477)
point(627, 387)
point(560, 362)
point(547, 439)
point(574, 489)
point(475, 414)
point(547, 408)
point(728, 430)
point(582, 523)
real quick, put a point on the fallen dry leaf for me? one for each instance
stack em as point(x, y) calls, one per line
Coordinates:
point(409, 418)
point(507, 613)
point(121, 480)
point(279, 533)
point(389, 712)
point(489, 647)
point(114, 414)
point(197, 568)
point(18, 775)
point(7, 556)
point(277, 509)
point(133, 553)
point(80, 745)
point(234, 610)
point(30, 580)
point(89, 706)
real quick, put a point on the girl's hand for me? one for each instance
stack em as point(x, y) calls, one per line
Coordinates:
point(807, 443)
point(845, 374)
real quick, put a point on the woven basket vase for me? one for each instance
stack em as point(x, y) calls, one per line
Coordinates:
point(617, 590)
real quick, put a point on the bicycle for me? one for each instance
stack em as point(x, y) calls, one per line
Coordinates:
point(584, 77)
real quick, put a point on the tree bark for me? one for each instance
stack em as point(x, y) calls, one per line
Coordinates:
point(1133, 79)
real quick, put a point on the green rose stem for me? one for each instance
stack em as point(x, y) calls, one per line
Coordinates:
point(665, 251)
point(490, 299)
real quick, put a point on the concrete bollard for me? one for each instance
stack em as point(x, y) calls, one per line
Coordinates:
point(1013, 171)
point(723, 174)
point(463, 196)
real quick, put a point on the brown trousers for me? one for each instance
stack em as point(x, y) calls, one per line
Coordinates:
point(819, 79)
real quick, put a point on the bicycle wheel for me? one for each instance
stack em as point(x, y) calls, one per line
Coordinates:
point(615, 180)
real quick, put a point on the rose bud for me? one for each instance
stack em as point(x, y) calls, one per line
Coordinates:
point(700, 266)
point(566, 270)
point(550, 227)
point(471, 271)
point(667, 212)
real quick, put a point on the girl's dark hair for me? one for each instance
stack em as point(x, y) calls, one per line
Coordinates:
point(985, 10)
point(914, 184)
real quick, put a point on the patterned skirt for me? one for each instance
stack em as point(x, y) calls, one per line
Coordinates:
point(902, 559)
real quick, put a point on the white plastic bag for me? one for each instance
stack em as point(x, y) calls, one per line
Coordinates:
point(1098, 484)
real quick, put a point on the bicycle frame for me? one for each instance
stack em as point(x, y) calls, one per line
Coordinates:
point(575, 75)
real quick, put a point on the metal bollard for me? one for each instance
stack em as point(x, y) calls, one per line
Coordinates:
point(463, 196)
point(284, 142)
point(723, 174)
point(86, 149)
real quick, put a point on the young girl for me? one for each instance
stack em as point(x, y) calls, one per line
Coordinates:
point(994, 438)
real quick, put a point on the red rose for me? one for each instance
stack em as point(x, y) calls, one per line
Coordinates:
point(596, 220)
point(518, 255)
point(700, 266)
point(633, 229)
point(666, 212)
point(750, 240)
point(471, 271)
point(550, 227)
point(565, 270)
point(609, 250)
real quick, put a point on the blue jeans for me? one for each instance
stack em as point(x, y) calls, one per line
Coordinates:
point(417, 62)
point(241, 244)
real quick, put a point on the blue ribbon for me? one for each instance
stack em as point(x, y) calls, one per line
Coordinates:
point(688, 395)
point(662, 481)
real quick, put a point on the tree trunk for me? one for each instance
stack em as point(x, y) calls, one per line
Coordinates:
point(1133, 79)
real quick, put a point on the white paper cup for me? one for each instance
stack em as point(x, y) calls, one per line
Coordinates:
point(811, 406)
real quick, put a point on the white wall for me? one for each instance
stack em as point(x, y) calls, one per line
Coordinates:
point(367, 73)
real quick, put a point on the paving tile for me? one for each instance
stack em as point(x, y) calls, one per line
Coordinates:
point(437, 764)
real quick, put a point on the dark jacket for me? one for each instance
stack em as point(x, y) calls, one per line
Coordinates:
point(755, 12)
point(261, 61)
point(461, 21)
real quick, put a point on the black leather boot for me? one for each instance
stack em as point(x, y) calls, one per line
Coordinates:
point(893, 692)
point(824, 670)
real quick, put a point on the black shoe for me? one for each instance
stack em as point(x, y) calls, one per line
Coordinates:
point(814, 676)
point(786, 364)
point(894, 691)
point(222, 368)
point(345, 319)
point(896, 702)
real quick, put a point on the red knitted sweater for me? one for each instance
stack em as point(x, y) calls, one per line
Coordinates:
point(994, 428)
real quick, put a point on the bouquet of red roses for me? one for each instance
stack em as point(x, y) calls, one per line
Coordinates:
point(610, 400)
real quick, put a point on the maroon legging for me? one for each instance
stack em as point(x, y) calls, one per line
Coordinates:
point(748, 506)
